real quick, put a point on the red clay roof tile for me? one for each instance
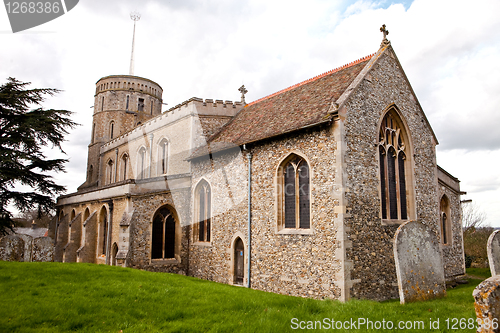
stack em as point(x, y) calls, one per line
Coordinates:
point(301, 105)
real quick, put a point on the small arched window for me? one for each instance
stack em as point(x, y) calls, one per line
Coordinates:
point(294, 193)
point(111, 129)
point(163, 157)
point(203, 210)
point(393, 163)
point(124, 166)
point(445, 220)
point(141, 163)
point(109, 172)
point(127, 103)
point(163, 235)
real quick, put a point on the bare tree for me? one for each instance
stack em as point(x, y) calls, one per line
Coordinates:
point(472, 217)
point(26, 218)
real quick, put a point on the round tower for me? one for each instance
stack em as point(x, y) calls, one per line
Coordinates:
point(121, 103)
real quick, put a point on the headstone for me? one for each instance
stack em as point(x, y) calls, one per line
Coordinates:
point(43, 249)
point(419, 265)
point(493, 248)
point(487, 304)
point(12, 248)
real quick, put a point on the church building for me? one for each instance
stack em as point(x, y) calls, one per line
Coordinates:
point(298, 193)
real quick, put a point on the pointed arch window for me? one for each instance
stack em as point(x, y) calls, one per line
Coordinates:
point(163, 157)
point(294, 193)
point(111, 129)
point(124, 166)
point(109, 172)
point(393, 167)
point(445, 220)
point(163, 236)
point(141, 163)
point(203, 197)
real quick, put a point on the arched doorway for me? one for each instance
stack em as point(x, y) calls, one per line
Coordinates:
point(239, 261)
point(103, 232)
point(114, 251)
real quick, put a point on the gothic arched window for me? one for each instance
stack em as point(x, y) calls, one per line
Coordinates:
point(109, 172)
point(203, 210)
point(445, 220)
point(394, 165)
point(124, 166)
point(111, 129)
point(141, 163)
point(294, 193)
point(163, 157)
point(163, 235)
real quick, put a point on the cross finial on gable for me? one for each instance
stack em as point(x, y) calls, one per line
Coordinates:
point(243, 91)
point(385, 41)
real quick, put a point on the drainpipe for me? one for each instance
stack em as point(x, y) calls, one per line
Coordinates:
point(108, 235)
point(249, 157)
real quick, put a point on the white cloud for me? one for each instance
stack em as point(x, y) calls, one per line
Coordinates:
point(449, 50)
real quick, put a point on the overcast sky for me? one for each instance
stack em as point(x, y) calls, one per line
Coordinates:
point(450, 51)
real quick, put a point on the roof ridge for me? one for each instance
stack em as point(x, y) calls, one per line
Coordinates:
point(313, 78)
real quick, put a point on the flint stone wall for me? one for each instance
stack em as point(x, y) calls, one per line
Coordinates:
point(453, 252)
point(371, 252)
point(487, 304)
point(493, 249)
point(307, 264)
point(419, 266)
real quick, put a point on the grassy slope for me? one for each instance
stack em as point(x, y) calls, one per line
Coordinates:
point(55, 297)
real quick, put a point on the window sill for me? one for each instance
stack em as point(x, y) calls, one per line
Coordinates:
point(394, 222)
point(206, 244)
point(171, 261)
point(295, 232)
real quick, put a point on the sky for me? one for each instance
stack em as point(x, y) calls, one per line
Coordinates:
point(450, 51)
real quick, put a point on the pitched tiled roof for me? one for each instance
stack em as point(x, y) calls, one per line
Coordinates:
point(304, 104)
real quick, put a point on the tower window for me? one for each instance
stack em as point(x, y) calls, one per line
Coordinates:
point(111, 129)
point(140, 104)
point(126, 106)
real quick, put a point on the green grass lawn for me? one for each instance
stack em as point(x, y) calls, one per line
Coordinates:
point(479, 272)
point(56, 297)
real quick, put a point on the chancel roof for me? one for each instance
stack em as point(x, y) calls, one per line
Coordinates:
point(302, 105)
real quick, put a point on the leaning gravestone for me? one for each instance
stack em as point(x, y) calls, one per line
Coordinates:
point(493, 249)
point(419, 266)
point(487, 305)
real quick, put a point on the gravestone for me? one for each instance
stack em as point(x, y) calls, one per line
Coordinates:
point(419, 265)
point(487, 305)
point(12, 248)
point(43, 249)
point(493, 248)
